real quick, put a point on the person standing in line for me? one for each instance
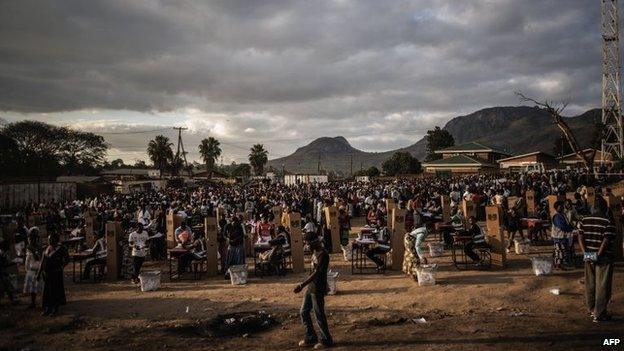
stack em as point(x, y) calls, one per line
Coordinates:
point(55, 258)
point(32, 264)
point(235, 235)
point(314, 298)
point(138, 243)
point(596, 237)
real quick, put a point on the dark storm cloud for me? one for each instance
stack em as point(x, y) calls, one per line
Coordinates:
point(300, 67)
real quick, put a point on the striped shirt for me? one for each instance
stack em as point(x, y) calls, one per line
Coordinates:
point(595, 230)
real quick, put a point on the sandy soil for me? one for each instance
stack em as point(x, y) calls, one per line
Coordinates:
point(467, 310)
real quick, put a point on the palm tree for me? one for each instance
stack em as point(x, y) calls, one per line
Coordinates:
point(258, 158)
point(210, 151)
point(160, 152)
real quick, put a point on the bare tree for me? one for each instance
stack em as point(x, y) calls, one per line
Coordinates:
point(555, 110)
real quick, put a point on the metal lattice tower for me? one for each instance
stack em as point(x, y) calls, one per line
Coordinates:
point(613, 140)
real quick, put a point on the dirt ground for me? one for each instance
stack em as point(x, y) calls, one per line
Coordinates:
point(466, 310)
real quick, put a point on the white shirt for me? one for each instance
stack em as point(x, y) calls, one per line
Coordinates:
point(140, 243)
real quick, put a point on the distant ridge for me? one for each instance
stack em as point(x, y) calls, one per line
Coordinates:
point(515, 129)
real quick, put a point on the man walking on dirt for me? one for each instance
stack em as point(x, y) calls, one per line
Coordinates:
point(315, 295)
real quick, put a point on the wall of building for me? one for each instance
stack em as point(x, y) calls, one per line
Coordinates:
point(14, 195)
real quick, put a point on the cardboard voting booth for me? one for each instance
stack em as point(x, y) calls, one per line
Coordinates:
point(445, 202)
point(552, 199)
point(212, 246)
point(89, 232)
point(530, 203)
point(277, 215)
point(390, 205)
point(296, 242)
point(469, 209)
point(397, 242)
point(173, 222)
point(113, 253)
point(495, 234)
point(331, 220)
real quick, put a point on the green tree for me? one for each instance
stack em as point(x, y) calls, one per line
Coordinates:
point(437, 139)
point(45, 149)
point(10, 161)
point(118, 163)
point(160, 152)
point(210, 150)
point(258, 158)
point(82, 152)
point(401, 163)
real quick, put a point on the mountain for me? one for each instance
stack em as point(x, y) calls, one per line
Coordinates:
point(515, 129)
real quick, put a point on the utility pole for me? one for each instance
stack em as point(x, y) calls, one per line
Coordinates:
point(181, 146)
point(351, 164)
point(318, 166)
point(613, 139)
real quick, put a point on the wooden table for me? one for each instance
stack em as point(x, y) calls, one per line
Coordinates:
point(74, 242)
point(79, 257)
point(359, 260)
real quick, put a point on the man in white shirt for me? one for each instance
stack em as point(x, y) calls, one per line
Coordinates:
point(138, 243)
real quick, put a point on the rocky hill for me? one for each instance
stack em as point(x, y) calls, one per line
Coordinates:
point(518, 130)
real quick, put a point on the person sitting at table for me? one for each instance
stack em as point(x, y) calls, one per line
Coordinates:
point(99, 251)
point(265, 230)
point(477, 240)
point(382, 248)
point(183, 234)
point(138, 242)
point(371, 218)
point(197, 251)
point(457, 222)
point(280, 247)
point(32, 265)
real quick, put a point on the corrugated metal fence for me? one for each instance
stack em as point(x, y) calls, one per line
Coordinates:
point(13, 195)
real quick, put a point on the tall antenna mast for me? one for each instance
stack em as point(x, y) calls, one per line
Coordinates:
point(612, 140)
point(181, 146)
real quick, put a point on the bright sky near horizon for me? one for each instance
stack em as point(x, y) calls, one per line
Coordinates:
point(286, 72)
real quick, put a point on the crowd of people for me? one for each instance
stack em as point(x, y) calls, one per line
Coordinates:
point(247, 209)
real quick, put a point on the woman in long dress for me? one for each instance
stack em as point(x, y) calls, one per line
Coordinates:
point(32, 265)
point(55, 258)
point(410, 256)
point(235, 235)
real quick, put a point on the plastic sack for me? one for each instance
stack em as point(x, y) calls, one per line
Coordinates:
point(332, 279)
point(436, 249)
point(150, 281)
point(347, 252)
point(238, 274)
point(542, 265)
point(522, 246)
point(426, 274)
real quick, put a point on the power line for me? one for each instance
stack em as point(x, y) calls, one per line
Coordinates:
point(134, 132)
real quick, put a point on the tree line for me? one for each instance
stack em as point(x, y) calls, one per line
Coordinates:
point(36, 149)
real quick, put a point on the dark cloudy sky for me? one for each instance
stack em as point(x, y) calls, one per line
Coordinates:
point(379, 73)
